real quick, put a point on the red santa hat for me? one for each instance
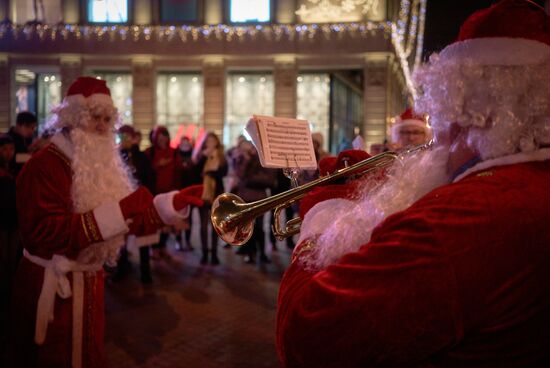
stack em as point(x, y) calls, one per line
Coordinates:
point(408, 118)
point(83, 94)
point(511, 32)
point(88, 90)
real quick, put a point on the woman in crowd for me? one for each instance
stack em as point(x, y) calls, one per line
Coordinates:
point(210, 162)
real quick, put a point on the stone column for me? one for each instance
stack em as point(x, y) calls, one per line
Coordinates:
point(376, 99)
point(143, 12)
point(213, 12)
point(71, 11)
point(143, 94)
point(70, 68)
point(285, 11)
point(284, 76)
point(213, 72)
point(5, 93)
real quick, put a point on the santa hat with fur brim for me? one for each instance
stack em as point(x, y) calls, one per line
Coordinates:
point(408, 118)
point(511, 32)
point(83, 94)
point(87, 90)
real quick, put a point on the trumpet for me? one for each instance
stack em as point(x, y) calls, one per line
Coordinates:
point(233, 219)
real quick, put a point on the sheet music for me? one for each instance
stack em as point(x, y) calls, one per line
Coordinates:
point(282, 142)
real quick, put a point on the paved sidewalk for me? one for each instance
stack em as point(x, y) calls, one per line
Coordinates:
point(193, 315)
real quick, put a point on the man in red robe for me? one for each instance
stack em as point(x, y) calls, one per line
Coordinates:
point(445, 264)
point(76, 202)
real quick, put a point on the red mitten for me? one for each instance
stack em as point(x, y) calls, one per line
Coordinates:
point(136, 202)
point(189, 196)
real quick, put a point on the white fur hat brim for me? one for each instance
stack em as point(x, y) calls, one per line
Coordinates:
point(497, 51)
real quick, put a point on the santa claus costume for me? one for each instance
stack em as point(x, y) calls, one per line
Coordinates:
point(75, 203)
point(438, 267)
point(409, 130)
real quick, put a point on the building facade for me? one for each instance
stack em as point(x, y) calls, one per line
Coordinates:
point(343, 65)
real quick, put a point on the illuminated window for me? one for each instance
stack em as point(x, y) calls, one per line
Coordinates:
point(30, 10)
point(179, 11)
point(120, 85)
point(313, 102)
point(179, 100)
point(246, 95)
point(37, 92)
point(249, 11)
point(108, 11)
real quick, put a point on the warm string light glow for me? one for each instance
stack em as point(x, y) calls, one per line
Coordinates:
point(406, 32)
point(187, 33)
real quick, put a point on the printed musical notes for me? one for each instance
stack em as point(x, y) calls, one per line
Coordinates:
point(282, 142)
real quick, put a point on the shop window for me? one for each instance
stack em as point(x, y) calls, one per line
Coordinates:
point(253, 11)
point(120, 85)
point(47, 12)
point(107, 11)
point(246, 95)
point(313, 102)
point(180, 102)
point(179, 11)
point(37, 92)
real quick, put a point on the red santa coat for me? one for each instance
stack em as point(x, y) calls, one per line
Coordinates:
point(49, 227)
point(459, 279)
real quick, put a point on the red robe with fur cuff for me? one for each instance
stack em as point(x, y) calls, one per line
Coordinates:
point(459, 279)
point(49, 226)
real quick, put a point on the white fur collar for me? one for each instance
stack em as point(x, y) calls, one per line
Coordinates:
point(538, 155)
point(64, 144)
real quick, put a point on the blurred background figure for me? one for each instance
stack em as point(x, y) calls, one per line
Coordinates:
point(409, 130)
point(189, 176)
point(22, 134)
point(211, 164)
point(318, 141)
point(9, 252)
point(166, 164)
point(254, 180)
point(142, 172)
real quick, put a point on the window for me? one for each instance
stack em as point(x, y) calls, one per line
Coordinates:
point(179, 101)
point(241, 11)
point(47, 12)
point(108, 11)
point(246, 95)
point(38, 93)
point(179, 11)
point(313, 102)
point(120, 85)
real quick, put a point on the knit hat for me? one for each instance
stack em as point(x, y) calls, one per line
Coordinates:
point(408, 118)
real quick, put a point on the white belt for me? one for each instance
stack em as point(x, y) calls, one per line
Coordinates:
point(56, 282)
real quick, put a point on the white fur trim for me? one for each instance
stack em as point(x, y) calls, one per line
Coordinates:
point(539, 155)
point(100, 98)
point(498, 51)
point(164, 204)
point(64, 144)
point(110, 220)
point(320, 217)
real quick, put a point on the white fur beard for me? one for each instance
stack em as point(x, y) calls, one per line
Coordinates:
point(99, 176)
point(341, 226)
